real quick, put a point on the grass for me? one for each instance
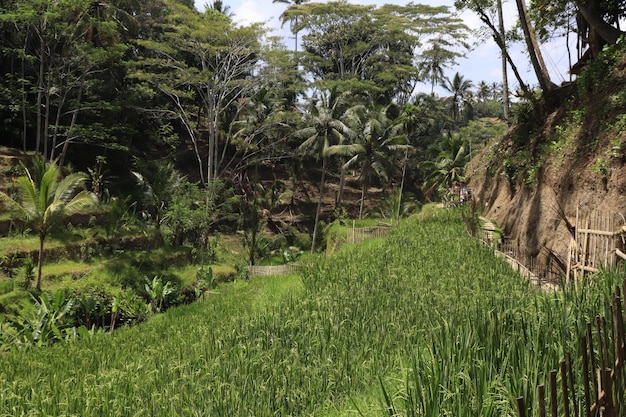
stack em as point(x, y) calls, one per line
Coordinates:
point(424, 322)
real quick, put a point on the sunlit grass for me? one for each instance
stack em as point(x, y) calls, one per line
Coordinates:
point(423, 322)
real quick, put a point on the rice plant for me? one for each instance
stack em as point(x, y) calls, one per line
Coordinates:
point(423, 322)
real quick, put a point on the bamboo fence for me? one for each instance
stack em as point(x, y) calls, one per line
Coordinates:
point(359, 234)
point(603, 353)
point(598, 242)
point(257, 270)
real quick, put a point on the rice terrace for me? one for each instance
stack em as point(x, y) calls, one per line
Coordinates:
point(301, 208)
point(426, 321)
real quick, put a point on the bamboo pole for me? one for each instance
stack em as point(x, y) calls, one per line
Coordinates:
point(607, 386)
point(521, 408)
point(605, 240)
point(570, 373)
point(554, 406)
point(541, 394)
point(607, 348)
point(621, 341)
point(577, 246)
point(564, 396)
point(620, 352)
point(592, 360)
point(583, 256)
point(613, 347)
point(585, 360)
point(600, 343)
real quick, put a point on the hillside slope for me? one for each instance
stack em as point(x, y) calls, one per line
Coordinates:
point(555, 163)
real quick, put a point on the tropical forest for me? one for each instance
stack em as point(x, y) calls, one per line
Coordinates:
point(201, 216)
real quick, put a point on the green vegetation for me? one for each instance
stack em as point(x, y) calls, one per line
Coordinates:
point(45, 198)
point(212, 147)
point(424, 322)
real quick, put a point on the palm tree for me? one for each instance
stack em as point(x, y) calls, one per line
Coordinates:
point(433, 64)
point(483, 91)
point(374, 150)
point(449, 164)
point(325, 126)
point(44, 198)
point(158, 183)
point(497, 91)
point(220, 7)
point(294, 2)
point(460, 89)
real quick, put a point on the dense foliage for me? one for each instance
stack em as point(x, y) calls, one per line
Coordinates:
point(124, 82)
point(424, 322)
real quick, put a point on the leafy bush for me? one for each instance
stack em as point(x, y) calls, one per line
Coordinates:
point(28, 267)
point(595, 71)
point(8, 264)
point(50, 322)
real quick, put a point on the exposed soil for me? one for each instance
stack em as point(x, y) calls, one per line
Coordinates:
point(584, 173)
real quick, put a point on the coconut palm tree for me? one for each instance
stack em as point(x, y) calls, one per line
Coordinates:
point(325, 128)
point(373, 152)
point(483, 91)
point(44, 198)
point(460, 88)
point(449, 164)
point(220, 7)
point(295, 22)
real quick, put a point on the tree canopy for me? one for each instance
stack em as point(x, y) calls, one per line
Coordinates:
point(158, 80)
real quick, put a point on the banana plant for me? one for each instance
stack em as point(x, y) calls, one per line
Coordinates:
point(50, 322)
point(157, 292)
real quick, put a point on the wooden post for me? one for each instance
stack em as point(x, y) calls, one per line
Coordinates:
point(607, 386)
point(570, 373)
point(614, 346)
point(583, 255)
point(607, 349)
point(541, 393)
point(576, 246)
point(600, 343)
point(592, 358)
point(585, 359)
point(620, 347)
point(564, 389)
point(619, 318)
point(521, 408)
point(554, 406)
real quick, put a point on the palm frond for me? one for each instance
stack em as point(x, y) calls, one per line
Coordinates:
point(81, 201)
point(67, 187)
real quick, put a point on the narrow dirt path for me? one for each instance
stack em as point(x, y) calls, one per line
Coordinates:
point(490, 229)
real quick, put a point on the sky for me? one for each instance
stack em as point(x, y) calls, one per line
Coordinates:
point(483, 63)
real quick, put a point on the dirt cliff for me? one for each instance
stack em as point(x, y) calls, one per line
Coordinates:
point(556, 162)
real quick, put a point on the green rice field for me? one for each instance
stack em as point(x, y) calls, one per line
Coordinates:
point(425, 322)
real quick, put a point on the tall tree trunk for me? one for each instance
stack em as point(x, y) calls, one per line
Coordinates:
point(590, 11)
point(46, 124)
point(363, 191)
point(42, 237)
point(68, 139)
point(24, 101)
point(319, 203)
point(211, 141)
point(534, 51)
point(40, 88)
point(404, 162)
point(505, 77)
point(342, 184)
point(501, 43)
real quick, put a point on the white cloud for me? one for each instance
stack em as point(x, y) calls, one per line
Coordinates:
point(255, 11)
